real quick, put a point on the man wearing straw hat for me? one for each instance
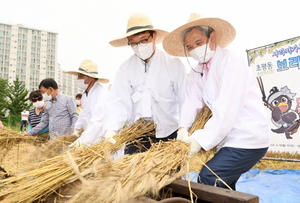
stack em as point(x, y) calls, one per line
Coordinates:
point(90, 120)
point(149, 84)
point(222, 81)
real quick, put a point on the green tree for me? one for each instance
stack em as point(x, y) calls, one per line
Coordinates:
point(17, 95)
point(3, 93)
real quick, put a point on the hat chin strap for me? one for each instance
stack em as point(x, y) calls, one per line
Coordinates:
point(201, 73)
point(91, 84)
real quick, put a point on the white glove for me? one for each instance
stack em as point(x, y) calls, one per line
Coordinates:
point(109, 136)
point(194, 145)
point(182, 133)
point(77, 132)
point(75, 144)
point(78, 142)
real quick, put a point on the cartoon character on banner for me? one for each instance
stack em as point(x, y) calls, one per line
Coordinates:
point(283, 116)
point(297, 109)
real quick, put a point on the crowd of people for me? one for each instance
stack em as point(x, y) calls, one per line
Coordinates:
point(153, 84)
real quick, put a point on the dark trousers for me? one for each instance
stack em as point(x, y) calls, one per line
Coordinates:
point(23, 124)
point(144, 143)
point(229, 164)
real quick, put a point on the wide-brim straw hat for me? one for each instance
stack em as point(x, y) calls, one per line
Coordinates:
point(138, 22)
point(225, 33)
point(89, 68)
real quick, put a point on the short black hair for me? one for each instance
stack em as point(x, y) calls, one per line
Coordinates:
point(48, 82)
point(36, 94)
point(79, 96)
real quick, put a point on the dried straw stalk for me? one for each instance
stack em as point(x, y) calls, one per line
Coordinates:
point(56, 178)
point(10, 138)
point(135, 175)
point(50, 149)
point(202, 117)
point(197, 161)
point(142, 173)
point(53, 173)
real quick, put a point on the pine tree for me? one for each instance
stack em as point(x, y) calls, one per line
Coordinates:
point(3, 93)
point(17, 95)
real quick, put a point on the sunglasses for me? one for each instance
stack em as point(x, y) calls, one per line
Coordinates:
point(37, 99)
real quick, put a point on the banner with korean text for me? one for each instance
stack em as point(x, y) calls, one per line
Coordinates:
point(277, 67)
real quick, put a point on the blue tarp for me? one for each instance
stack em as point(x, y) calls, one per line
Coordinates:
point(271, 186)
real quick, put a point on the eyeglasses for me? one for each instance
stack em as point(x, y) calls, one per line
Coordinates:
point(142, 42)
point(37, 99)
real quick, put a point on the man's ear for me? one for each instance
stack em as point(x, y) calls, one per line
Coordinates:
point(154, 36)
point(213, 36)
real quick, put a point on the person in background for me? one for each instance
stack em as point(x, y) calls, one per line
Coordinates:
point(91, 118)
point(60, 114)
point(1, 125)
point(78, 102)
point(24, 120)
point(149, 84)
point(223, 81)
point(36, 113)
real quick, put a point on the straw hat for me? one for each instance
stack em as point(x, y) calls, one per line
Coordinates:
point(138, 22)
point(89, 68)
point(225, 33)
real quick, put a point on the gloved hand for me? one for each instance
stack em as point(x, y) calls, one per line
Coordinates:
point(75, 144)
point(78, 142)
point(182, 133)
point(194, 145)
point(77, 132)
point(109, 136)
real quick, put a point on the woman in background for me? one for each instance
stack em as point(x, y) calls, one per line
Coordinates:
point(35, 114)
point(1, 125)
point(78, 102)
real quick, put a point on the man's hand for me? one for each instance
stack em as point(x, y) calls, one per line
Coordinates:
point(77, 132)
point(194, 145)
point(109, 136)
point(182, 133)
point(25, 134)
point(78, 143)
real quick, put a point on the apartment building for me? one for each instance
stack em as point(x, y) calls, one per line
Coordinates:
point(31, 55)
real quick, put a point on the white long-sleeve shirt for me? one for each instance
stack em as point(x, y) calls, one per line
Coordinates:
point(231, 92)
point(156, 93)
point(91, 118)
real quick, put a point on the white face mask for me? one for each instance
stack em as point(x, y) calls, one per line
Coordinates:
point(47, 97)
point(143, 51)
point(78, 102)
point(81, 85)
point(199, 53)
point(38, 104)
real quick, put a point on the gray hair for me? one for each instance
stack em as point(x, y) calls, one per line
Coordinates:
point(205, 30)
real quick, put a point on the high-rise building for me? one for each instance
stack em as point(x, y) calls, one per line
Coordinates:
point(31, 55)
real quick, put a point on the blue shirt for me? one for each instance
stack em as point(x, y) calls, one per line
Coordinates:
point(61, 116)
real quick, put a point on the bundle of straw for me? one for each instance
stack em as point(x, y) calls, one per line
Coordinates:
point(53, 173)
point(144, 173)
point(10, 138)
point(202, 117)
point(50, 149)
point(199, 159)
point(60, 170)
point(135, 175)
